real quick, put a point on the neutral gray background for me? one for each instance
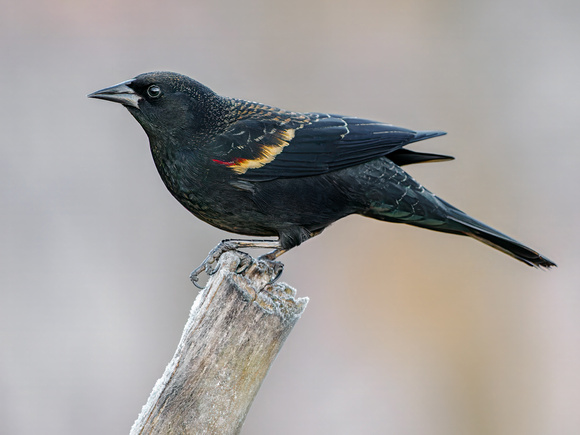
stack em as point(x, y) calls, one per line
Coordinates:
point(407, 331)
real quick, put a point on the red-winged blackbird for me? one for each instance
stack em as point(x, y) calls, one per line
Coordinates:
point(257, 170)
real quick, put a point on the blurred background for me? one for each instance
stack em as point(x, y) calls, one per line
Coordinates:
point(407, 331)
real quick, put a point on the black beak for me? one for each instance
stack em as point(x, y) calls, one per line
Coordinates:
point(120, 93)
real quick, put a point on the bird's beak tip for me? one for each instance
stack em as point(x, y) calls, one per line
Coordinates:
point(121, 93)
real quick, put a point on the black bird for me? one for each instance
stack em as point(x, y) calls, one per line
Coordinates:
point(257, 170)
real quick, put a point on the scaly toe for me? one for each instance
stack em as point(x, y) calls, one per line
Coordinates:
point(275, 267)
point(278, 269)
point(246, 261)
point(194, 277)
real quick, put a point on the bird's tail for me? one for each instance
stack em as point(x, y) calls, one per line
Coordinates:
point(463, 224)
point(396, 197)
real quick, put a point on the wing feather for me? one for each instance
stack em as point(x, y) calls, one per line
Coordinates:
point(278, 144)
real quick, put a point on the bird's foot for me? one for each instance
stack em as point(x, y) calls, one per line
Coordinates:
point(211, 264)
point(276, 267)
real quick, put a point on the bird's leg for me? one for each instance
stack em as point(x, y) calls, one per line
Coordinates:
point(210, 264)
point(271, 256)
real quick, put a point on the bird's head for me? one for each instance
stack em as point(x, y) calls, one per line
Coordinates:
point(166, 103)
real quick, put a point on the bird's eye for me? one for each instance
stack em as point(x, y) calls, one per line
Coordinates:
point(154, 91)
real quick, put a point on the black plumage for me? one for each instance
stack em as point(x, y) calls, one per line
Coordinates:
point(256, 170)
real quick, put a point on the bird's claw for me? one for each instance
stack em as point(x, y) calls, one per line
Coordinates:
point(246, 262)
point(278, 269)
point(211, 264)
point(276, 266)
point(194, 276)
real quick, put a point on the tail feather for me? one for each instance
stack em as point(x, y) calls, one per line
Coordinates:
point(427, 134)
point(407, 157)
point(501, 242)
point(396, 197)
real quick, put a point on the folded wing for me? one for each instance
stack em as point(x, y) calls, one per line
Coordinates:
point(288, 145)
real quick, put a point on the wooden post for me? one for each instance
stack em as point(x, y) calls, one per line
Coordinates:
point(236, 327)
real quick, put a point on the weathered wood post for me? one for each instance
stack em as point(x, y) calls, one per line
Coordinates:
point(236, 327)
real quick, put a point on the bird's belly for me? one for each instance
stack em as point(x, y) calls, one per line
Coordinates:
point(269, 208)
point(228, 214)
